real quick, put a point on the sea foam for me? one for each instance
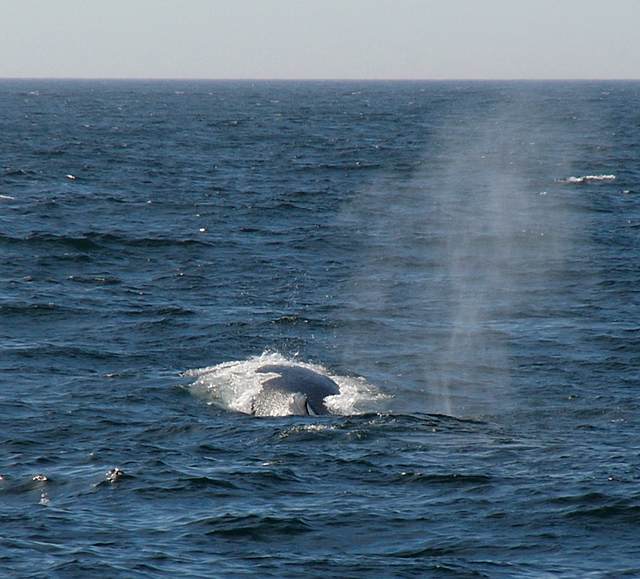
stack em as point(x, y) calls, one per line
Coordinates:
point(235, 385)
point(587, 179)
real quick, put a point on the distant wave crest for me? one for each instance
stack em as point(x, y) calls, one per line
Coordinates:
point(587, 179)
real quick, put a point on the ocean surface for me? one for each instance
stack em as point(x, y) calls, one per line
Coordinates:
point(461, 258)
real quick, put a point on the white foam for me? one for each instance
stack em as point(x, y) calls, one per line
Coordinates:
point(235, 385)
point(587, 179)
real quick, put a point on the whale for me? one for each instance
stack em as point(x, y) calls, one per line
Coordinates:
point(305, 388)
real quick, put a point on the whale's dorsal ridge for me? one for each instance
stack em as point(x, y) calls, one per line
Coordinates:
point(313, 386)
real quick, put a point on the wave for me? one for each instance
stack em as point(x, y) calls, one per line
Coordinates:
point(346, 166)
point(587, 179)
point(96, 241)
point(10, 172)
point(235, 385)
point(38, 309)
point(442, 478)
point(621, 511)
point(254, 526)
point(95, 279)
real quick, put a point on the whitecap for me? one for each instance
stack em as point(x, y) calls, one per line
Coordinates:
point(587, 179)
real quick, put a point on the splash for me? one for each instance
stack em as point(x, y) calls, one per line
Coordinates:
point(235, 385)
point(587, 179)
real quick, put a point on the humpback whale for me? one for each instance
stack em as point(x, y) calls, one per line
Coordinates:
point(309, 389)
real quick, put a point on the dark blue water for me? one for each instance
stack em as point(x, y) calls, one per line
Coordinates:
point(421, 243)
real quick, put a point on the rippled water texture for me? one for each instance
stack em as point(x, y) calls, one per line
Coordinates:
point(460, 258)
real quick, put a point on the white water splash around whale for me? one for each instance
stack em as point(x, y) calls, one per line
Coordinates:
point(236, 385)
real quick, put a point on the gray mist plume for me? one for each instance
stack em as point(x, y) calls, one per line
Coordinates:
point(455, 257)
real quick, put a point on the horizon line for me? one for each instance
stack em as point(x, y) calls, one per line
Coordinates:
point(321, 79)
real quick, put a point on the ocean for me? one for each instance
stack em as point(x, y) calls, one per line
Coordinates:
point(461, 258)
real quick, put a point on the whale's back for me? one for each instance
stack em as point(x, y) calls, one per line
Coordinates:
point(298, 380)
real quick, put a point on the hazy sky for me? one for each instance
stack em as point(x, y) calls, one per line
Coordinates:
point(320, 38)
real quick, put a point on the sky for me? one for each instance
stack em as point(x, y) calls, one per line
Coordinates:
point(320, 39)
